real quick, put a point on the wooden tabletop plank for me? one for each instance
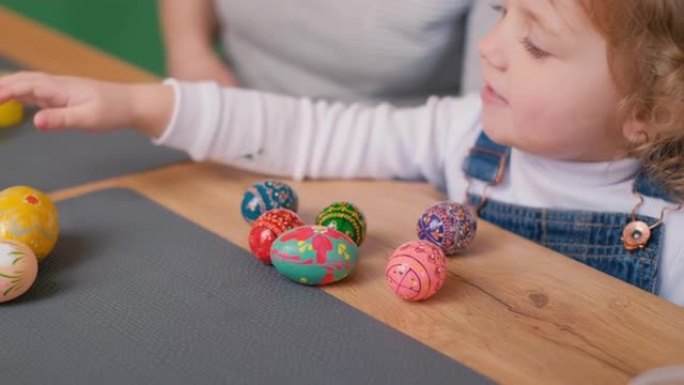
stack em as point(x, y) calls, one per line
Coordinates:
point(515, 311)
point(510, 309)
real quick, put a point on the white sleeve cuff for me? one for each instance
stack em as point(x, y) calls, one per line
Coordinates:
point(164, 137)
point(196, 113)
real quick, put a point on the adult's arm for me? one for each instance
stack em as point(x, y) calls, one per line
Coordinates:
point(189, 31)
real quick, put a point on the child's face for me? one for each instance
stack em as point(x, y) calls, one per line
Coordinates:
point(548, 89)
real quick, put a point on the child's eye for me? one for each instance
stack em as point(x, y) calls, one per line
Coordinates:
point(498, 7)
point(535, 51)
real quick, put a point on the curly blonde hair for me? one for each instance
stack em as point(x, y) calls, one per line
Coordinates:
point(646, 56)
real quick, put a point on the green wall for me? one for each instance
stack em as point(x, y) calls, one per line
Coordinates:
point(125, 28)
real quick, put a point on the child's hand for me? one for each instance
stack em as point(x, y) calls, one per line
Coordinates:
point(78, 103)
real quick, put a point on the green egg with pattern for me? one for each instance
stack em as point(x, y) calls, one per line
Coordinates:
point(346, 218)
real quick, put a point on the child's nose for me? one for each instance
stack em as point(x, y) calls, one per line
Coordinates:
point(492, 51)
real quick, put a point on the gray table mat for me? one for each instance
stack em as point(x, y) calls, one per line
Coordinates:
point(51, 161)
point(134, 294)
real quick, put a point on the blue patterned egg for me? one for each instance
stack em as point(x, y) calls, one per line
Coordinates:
point(267, 195)
point(314, 255)
point(449, 225)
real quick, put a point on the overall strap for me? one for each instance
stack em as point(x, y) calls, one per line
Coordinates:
point(488, 162)
point(648, 187)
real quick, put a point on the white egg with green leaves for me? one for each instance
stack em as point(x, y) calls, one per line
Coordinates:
point(18, 269)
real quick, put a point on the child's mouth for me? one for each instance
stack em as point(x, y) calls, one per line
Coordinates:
point(489, 96)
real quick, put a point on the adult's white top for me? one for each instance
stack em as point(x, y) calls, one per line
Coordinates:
point(353, 50)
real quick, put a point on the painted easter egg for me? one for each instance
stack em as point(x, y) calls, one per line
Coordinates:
point(449, 225)
point(18, 269)
point(267, 195)
point(314, 255)
point(11, 113)
point(416, 270)
point(267, 228)
point(344, 217)
point(29, 216)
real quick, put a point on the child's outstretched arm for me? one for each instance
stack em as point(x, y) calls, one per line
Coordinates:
point(301, 137)
point(77, 103)
point(263, 132)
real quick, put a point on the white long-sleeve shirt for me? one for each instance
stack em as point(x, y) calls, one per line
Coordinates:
point(298, 137)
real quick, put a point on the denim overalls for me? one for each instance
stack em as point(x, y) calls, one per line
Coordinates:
point(593, 238)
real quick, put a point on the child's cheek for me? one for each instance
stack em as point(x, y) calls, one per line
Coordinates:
point(540, 127)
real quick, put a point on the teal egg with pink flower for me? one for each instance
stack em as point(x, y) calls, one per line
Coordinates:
point(314, 255)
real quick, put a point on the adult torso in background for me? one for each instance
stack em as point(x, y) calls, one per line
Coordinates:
point(392, 50)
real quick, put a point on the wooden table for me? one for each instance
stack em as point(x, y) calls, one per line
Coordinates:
point(510, 309)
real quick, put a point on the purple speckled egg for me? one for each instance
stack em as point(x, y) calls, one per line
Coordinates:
point(449, 225)
point(416, 270)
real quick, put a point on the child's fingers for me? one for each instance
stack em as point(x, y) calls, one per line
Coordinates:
point(29, 93)
point(50, 119)
point(31, 88)
point(61, 118)
point(6, 79)
point(25, 76)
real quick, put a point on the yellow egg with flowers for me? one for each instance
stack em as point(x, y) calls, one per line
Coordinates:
point(28, 216)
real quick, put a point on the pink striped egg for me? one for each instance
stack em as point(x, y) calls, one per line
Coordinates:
point(416, 270)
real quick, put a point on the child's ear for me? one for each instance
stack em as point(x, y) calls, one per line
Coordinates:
point(635, 131)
